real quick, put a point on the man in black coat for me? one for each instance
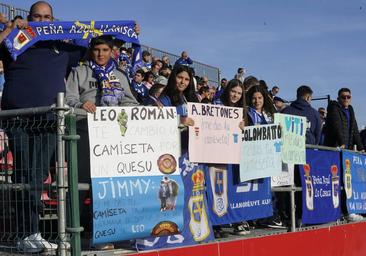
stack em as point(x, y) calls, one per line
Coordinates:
point(302, 107)
point(341, 126)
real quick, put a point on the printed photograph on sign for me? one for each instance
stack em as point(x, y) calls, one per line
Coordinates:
point(133, 160)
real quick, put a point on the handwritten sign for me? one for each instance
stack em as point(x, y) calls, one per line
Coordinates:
point(354, 181)
point(260, 152)
point(293, 138)
point(286, 178)
point(137, 189)
point(215, 133)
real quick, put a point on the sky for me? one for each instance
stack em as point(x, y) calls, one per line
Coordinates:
point(319, 43)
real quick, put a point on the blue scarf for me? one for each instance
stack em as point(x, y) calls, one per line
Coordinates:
point(257, 118)
point(19, 41)
point(111, 94)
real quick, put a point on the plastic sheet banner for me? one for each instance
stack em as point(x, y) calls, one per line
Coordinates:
point(231, 201)
point(137, 188)
point(293, 138)
point(354, 181)
point(261, 152)
point(320, 179)
point(215, 133)
point(197, 225)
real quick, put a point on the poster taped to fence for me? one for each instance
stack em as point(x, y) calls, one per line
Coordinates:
point(260, 152)
point(137, 189)
point(293, 138)
point(215, 136)
point(354, 181)
point(321, 190)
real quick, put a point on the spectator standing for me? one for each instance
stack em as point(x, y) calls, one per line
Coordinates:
point(184, 60)
point(301, 107)
point(278, 103)
point(166, 62)
point(363, 137)
point(99, 83)
point(341, 125)
point(179, 91)
point(232, 96)
point(34, 80)
point(154, 95)
point(274, 91)
point(240, 75)
point(139, 90)
point(220, 88)
point(148, 80)
point(342, 131)
point(156, 67)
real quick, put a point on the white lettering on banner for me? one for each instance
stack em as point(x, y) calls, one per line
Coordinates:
point(138, 228)
point(50, 29)
point(247, 187)
point(110, 188)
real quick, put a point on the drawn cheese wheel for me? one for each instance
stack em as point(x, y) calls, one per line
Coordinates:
point(167, 164)
point(165, 228)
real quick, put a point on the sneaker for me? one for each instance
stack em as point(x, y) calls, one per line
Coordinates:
point(272, 222)
point(241, 229)
point(354, 217)
point(219, 233)
point(35, 243)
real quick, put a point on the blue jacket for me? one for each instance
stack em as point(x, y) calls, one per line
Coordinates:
point(186, 62)
point(301, 107)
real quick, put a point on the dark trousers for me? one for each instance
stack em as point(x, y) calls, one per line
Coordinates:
point(32, 150)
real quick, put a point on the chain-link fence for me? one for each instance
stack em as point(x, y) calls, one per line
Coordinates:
point(32, 182)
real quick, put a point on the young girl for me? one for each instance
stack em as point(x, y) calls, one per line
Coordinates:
point(260, 109)
point(179, 91)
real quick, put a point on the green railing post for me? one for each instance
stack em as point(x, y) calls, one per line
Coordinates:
point(74, 228)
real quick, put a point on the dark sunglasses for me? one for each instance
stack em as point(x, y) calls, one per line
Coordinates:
point(344, 97)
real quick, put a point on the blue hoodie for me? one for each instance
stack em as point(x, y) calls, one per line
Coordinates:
point(301, 107)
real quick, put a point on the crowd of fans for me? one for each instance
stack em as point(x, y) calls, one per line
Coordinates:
point(104, 76)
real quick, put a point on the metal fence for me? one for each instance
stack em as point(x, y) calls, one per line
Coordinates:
point(201, 69)
point(41, 161)
point(33, 181)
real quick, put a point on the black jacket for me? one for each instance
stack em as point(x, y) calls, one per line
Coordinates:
point(336, 132)
point(301, 107)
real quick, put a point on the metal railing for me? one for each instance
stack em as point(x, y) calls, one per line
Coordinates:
point(43, 143)
point(201, 69)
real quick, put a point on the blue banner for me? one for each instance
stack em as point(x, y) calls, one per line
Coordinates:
point(19, 40)
point(197, 226)
point(354, 181)
point(131, 207)
point(231, 201)
point(320, 179)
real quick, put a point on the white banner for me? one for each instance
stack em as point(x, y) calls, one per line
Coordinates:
point(261, 152)
point(133, 141)
point(216, 135)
